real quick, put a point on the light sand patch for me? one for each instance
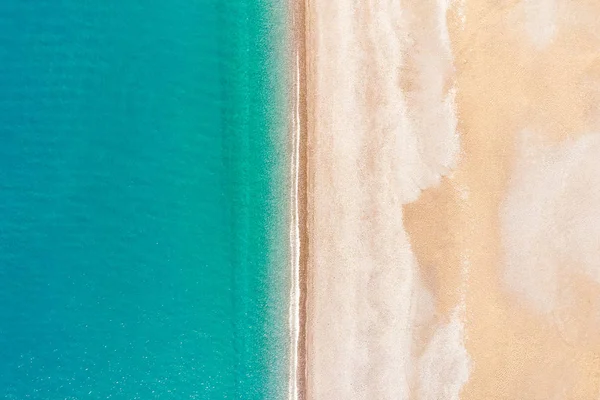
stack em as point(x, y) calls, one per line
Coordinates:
point(551, 221)
point(541, 21)
point(444, 366)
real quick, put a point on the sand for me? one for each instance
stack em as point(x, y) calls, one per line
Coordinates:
point(452, 209)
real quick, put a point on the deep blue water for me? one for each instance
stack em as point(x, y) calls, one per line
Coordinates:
point(141, 200)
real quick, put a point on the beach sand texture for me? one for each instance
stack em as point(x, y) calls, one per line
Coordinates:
point(453, 199)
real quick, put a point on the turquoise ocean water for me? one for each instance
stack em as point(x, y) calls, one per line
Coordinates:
point(142, 199)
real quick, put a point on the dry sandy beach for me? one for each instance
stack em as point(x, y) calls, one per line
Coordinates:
point(451, 218)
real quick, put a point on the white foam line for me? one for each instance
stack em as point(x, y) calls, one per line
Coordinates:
point(294, 319)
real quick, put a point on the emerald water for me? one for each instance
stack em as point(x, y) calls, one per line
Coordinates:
point(142, 200)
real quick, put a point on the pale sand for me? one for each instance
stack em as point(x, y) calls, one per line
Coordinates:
point(372, 147)
point(434, 274)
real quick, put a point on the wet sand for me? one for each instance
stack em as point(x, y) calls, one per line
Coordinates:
point(452, 199)
point(298, 206)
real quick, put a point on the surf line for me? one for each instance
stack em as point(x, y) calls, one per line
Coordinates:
point(297, 313)
point(294, 311)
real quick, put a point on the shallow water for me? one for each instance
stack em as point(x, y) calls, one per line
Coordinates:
point(139, 222)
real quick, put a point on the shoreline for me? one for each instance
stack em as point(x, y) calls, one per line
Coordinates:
point(298, 204)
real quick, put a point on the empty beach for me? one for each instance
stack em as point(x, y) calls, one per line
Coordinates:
point(452, 200)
